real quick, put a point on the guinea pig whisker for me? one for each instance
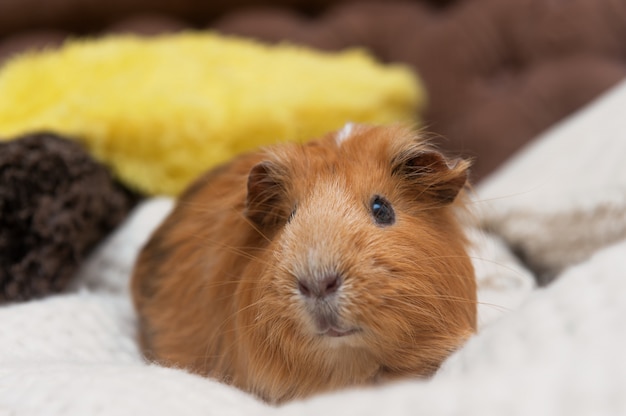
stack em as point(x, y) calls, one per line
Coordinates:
point(486, 260)
point(423, 296)
point(254, 226)
point(424, 310)
point(227, 321)
point(502, 265)
point(237, 250)
point(245, 330)
point(202, 209)
point(452, 299)
point(475, 201)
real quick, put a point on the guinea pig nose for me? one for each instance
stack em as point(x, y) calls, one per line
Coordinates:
point(319, 287)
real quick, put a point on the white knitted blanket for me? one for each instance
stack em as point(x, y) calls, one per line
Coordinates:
point(548, 351)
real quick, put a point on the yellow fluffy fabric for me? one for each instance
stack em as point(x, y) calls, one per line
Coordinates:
point(160, 111)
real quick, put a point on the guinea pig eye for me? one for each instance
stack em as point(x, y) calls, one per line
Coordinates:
point(382, 211)
point(292, 214)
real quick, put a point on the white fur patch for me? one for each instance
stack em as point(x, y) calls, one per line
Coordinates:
point(344, 133)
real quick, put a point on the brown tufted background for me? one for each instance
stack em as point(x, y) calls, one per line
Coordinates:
point(498, 72)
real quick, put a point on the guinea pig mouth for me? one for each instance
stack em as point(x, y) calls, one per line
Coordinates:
point(336, 333)
point(327, 325)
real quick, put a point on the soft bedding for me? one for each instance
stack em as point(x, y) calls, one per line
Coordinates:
point(559, 353)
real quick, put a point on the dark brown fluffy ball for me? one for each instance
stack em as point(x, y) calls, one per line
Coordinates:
point(56, 203)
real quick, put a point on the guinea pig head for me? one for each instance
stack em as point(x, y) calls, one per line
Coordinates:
point(365, 274)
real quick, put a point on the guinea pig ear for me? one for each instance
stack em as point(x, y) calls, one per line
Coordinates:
point(265, 191)
point(432, 175)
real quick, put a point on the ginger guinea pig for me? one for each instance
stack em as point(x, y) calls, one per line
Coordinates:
point(305, 268)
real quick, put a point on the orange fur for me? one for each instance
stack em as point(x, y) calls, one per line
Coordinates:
point(216, 287)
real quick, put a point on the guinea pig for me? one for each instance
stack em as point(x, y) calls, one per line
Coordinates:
point(304, 268)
